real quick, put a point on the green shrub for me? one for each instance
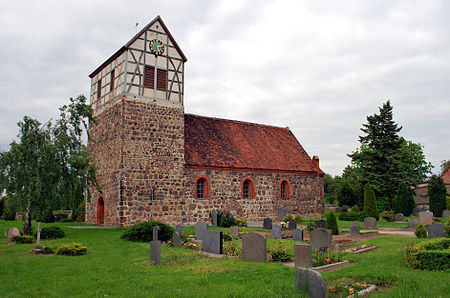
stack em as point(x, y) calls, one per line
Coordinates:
point(370, 202)
point(60, 216)
point(232, 248)
point(351, 216)
point(287, 218)
point(280, 254)
point(405, 202)
point(48, 250)
point(25, 239)
point(2, 207)
point(447, 228)
point(356, 208)
point(437, 193)
point(430, 255)
point(420, 231)
point(240, 222)
point(225, 219)
point(143, 232)
point(298, 219)
point(387, 215)
point(331, 223)
point(72, 249)
point(48, 216)
point(344, 208)
point(51, 233)
point(229, 237)
point(448, 203)
point(64, 220)
point(310, 225)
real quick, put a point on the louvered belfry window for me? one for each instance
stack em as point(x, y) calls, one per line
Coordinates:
point(149, 77)
point(161, 79)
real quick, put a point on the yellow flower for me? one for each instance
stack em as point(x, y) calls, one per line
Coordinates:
point(190, 236)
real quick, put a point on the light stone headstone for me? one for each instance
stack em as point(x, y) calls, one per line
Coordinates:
point(234, 230)
point(436, 230)
point(370, 223)
point(302, 255)
point(292, 224)
point(38, 236)
point(355, 228)
point(320, 238)
point(179, 229)
point(156, 233)
point(276, 231)
point(200, 229)
point(399, 217)
point(426, 218)
point(412, 223)
point(176, 239)
point(281, 214)
point(267, 223)
point(212, 242)
point(254, 247)
point(215, 218)
point(446, 213)
point(312, 282)
point(13, 233)
point(155, 252)
point(297, 234)
point(320, 223)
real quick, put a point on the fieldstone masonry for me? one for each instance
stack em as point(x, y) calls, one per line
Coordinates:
point(254, 247)
point(303, 255)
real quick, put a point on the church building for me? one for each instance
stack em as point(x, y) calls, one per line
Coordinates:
point(154, 162)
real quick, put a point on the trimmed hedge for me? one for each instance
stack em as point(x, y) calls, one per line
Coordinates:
point(352, 216)
point(72, 249)
point(143, 232)
point(51, 233)
point(23, 239)
point(429, 255)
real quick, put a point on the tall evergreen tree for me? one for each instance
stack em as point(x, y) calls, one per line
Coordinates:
point(437, 193)
point(405, 200)
point(370, 202)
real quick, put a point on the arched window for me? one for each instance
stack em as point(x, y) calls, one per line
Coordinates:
point(248, 188)
point(285, 189)
point(202, 187)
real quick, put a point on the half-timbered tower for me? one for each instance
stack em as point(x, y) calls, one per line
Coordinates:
point(156, 163)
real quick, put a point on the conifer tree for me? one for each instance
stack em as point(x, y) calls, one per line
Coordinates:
point(437, 193)
point(405, 199)
point(370, 202)
point(331, 223)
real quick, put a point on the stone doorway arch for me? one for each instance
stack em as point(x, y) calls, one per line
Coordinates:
point(100, 210)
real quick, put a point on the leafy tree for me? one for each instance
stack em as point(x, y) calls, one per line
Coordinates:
point(445, 164)
point(413, 165)
point(437, 193)
point(2, 207)
point(331, 223)
point(370, 202)
point(405, 200)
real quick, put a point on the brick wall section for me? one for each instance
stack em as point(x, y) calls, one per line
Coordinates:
point(306, 194)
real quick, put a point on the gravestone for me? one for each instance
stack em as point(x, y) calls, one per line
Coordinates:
point(179, 229)
point(212, 242)
point(297, 234)
point(416, 211)
point(267, 223)
point(200, 229)
point(155, 252)
point(398, 217)
point(436, 230)
point(312, 282)
point(281, 214)
point(446, 213)
point(13, 233)
point(302, 255)
point(254, 247)
point(276, 231)
point(215, 218)
point(320, 223)
point(370, 223)
point(234, 230)
point(320, 238)
point(412, 223)
point(156, 233)
point(176, 239)
point(38, 236)
point(355, 228)
point(426, 218)
point(292, 224)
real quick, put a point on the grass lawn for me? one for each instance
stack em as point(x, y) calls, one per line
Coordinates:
point(115, 267)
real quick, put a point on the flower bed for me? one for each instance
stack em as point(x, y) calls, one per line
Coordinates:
point(344, 289)
point(320, 258)
point(286, 234)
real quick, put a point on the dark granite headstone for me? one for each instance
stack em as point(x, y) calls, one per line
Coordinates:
point(176, 239)
point(156, 233)
point(155, 252)
point(370, 223)
point(281, 214)
point(254, 247)
point(412, 223)
point(320, 223)
point(267, 223)
point(426, 218)
point(320, 238)
point(297, 234)
point(200, 229)
point(276, 231)
point(416, 211)
point(312, 282)
point(446, 213)
point(212, 242)
point(355, 228)
point(215, 218)
point(179, 229)
point(292, 224)
point(302, 255)
point(398, 216)
point(234, 230)
point(436, 230)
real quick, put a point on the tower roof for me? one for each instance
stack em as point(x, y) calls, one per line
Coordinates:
point(228, 144)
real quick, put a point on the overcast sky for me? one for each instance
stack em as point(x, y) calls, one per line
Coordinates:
point(318, 67)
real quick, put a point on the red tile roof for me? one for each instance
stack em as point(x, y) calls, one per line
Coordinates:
point(446, 176)
point(228, 144)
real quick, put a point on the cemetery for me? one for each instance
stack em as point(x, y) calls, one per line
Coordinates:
point(267, 258)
